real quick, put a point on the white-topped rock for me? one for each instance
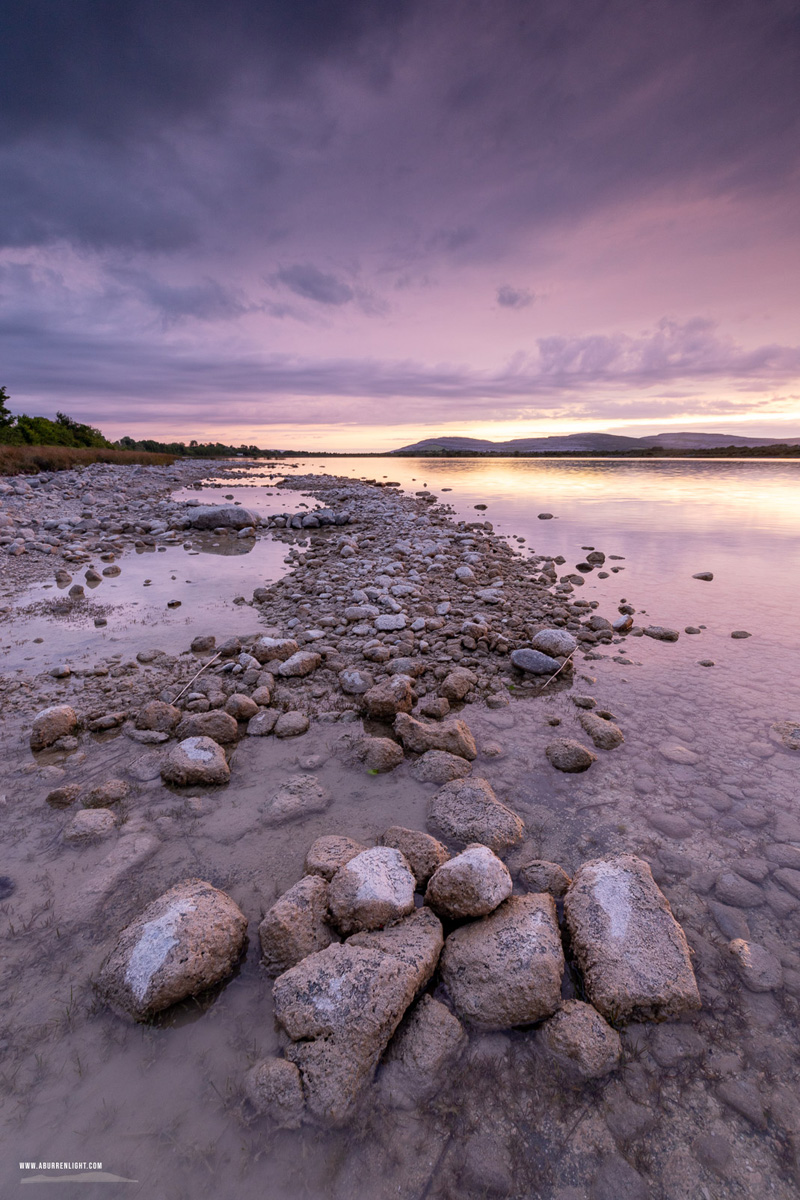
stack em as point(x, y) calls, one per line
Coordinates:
point(472, 884)
point(371, 890)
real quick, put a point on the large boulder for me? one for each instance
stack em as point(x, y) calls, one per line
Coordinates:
point(467, 810)
point(534, 662)
point(296, 925)
point(330, 852)
point(472, 884)
point(372, 889)
point(51, 724)
point(299, 796)
point(452, 736)
point(341, 1006)
point(416, 940)
point(391, 696)
point(422, 852)
point(506, 969)
point(583, 1045)
point(631, 950)
point(216, 724)
point(429, 1041)
point(195, 760)
point(227, 516)
point(183, 943)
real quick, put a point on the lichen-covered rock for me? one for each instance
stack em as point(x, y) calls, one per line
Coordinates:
point(51, 724)
point(583, 1045)
point(570, 756)
point(158, 715)
point(428, 1043)
point(467, 810)
point(330, 852)
point(195, 760)
point(416, 940)
point(372, 889)
point(355, 682)
point(506, 969)
point(299, 796)
point(183, 943)
point(389, 697)
point(452, 736)
point(631, 950)
point(605, 734)
point(542, 876)
point(216, 724)
point(379, 754)
point(437, 766)
point(275, 1090)
point(472, 884)
point(296, 925)
point(422, 852)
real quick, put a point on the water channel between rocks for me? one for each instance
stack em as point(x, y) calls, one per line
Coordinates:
point(706, 1106)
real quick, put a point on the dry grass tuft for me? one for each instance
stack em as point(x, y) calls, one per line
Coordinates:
point(28, 460)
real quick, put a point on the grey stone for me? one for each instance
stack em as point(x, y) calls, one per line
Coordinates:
point(300, 664)
point(299, 796)
point(195, 760)
point(506, 969)
point(229, 516)
point(89, 825)
point(291, 724)
point(437, 766)
point(379, 754)
point(218, 725)
point(534, 662)
point(760, 971)
point(557, 643)
point(472, 884)
point(467, 810)
point(451, 736)
point(270, 649)
point(786, 734)
point(632, 952)
point(661, 633)
point(355, 682)
point(263, 723)
point(372, 889)
point(733, 889)
point(427, 1044)
point(182, 944)
point(565, 754)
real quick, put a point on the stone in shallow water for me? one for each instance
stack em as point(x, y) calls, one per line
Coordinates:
point(467, 810)
point(661, 633)
point(219, 725)
point(229, 516)
point(372, 889)
point(631, 950)
point(437, 766)
point(506, 969)
point(542, 876)
point(534, 662)
point(786, 733)
point(51, 724)
point(582, 1043)
point(452, 736)
point(676, 753)
point(299, 796)
point(90, 825)
point(760, 970)
point(195, 760)
point(426, 1045)
point(567, 755)
point(183, 943)
point(554, 642)
point(275, 1090)
point(605, 734)
point(291, 724)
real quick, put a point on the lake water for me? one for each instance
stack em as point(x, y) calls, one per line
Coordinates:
point(702, 788)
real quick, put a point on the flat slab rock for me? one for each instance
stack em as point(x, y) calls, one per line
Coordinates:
point(632, 952)
point(299, 796)
point(506, 969)
point(183, 943)
point(341, 1006)
point(467, 810)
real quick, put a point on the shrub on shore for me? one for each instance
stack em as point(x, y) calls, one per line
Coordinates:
point(22, 460)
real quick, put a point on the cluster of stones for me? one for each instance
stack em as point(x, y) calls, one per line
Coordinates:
point(386, 956)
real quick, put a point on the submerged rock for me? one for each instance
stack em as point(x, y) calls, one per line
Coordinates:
point(196, 760)
point(467, 810)
point(542, 876)
point(583, 1045)
point(506, 969)
point(427, 1044)
point(183, 943)
point(372, 889)
point(90, 825)
point(472, 884)
point(661, 633)
point(437, 766)
point(275, 1090)
point(605, 734)
point(567, 755)
point(379, 754)
point(299, 796)
point(786, 733)
point(296, 925)
point(760, 971)
point(631, 950)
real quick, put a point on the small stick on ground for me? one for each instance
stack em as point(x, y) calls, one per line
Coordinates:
point(197, 676)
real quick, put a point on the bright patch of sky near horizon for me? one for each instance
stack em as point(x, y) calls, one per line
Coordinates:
point(354, 226)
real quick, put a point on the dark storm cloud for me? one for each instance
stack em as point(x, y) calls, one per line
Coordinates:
point(152, 123)
point(511, 297)
point(207, 300)
point(306, 280)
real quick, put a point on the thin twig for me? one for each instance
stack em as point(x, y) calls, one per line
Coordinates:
point(197, 676)
point(556, 674)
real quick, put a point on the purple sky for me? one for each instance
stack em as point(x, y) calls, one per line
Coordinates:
point(348, 224)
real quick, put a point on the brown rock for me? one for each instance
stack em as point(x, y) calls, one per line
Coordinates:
point(582, 1043)
point(159, 716)
point(218, 725)
point(51, 724)
point(472, 884)
point(467, 810)
point(196, 760)
point(90, 825)
point(457, 684)
point(372, 889)
point(241, 707)
point(567, 755)
point(543, 876)
point(422, 852)
point(437, 766)
point(107, 793)
point(296, 925)
point(452, 736)
point(185, 942)
point(427, 1044)
point(379, 754)
point(631, 950)
point(506, 969)
point(605, 734)
point(389, 697)
point(291, 724)
point(330, 852)
point(275, 1090)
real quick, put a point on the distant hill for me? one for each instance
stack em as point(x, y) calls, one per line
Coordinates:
point(592, 443)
